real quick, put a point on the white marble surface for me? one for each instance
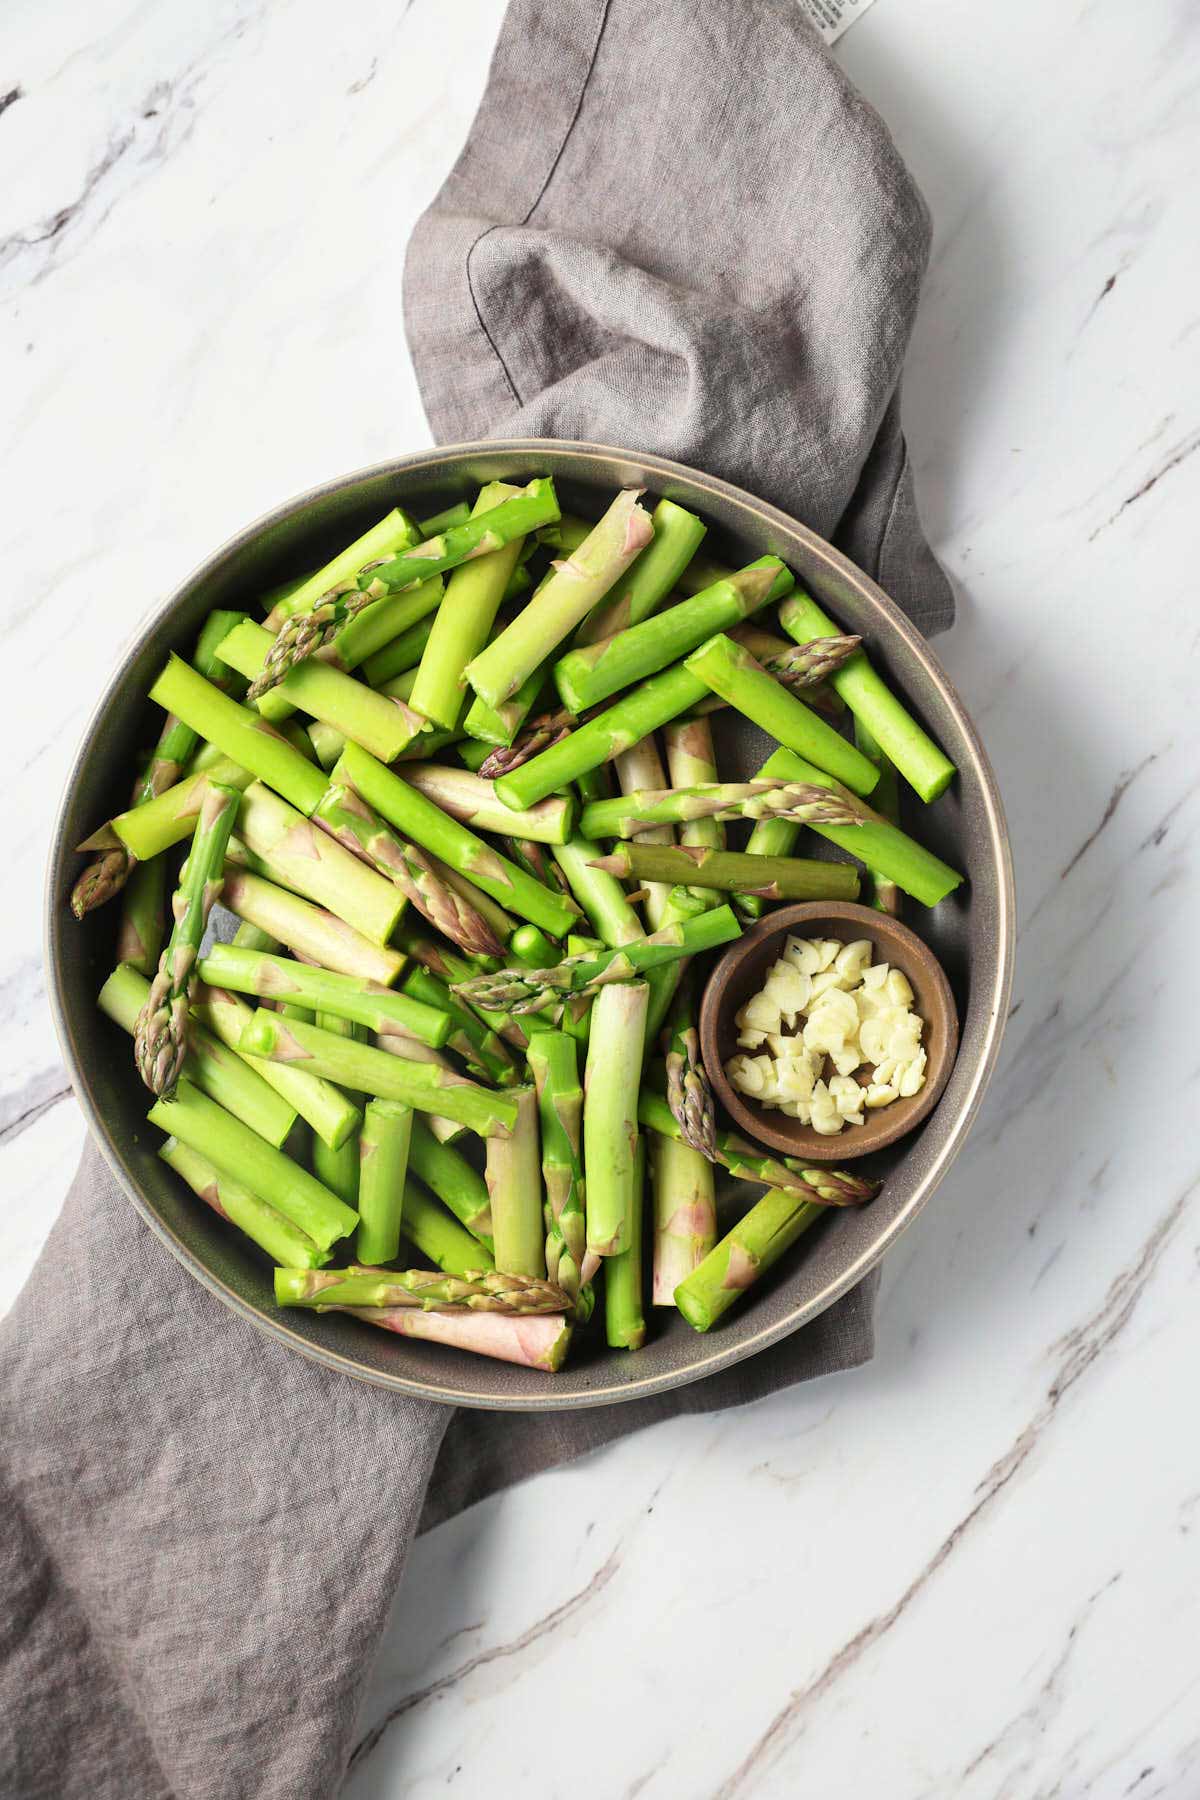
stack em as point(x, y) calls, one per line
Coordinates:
point(971, 1569)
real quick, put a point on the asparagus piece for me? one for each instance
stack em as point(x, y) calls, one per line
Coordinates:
point(702, 572)
point(539, 734)
point(383, 1149)
point(443, 1130)
point(600, 894)
point(539, 1342)
point(650, 578)
point(297, 854)
point(585, 676)
point(472, 800)
point(428, 826)
point(368, 1070)
point(685, 1214)
point(336, 1167)
point(730, 670)
point(160, 1035)
point(453, 515)
point(732, 871)
point(500, 724)
point(438, 1236)
point(346, 816)
point(540, 990)
point(881, 845)
point(370, 633)
point(922, 764)
point(562, 602)
point(642, 710)
point(264, 1225)
point(451, 1177)
point(754, 1245)
point(471, 1037)
point(832, 1187)
point(307, 930)
point(146, 831)
point(633, 814)
point(143, 922)
point(239, 734)
point(233, 1148)
point(610, 1114)
point(367, 1003)
point(553, 1063)
point(514, 1185)
point(624, 1316)
point(332, 1114)
point(402, 655)
point(886, 896)
point(532, 949)
point(691, 760)
point(567, 532)
point(394, 532)
point(689, 1094)
point(502, 923)
point(251, 937)
point(210, 1065)
point(483, 1290)
point(639, 769)
point(463, 624)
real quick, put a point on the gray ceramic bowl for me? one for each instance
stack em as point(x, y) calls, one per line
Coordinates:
point(972, 933)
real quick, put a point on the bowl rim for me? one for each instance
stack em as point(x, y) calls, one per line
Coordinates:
point(713, 1354)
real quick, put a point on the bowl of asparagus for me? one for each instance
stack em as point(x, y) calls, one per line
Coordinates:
point(388, 878)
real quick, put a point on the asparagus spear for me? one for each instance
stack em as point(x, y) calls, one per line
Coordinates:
point(346, 816)
point(923, 765)
point(307, 930)
point(368, 1003)
point(239, 734)
point(210, 1065)
point(452, 515)
point(440, 1237)
point(553, 1063)
point(296, 853)
point(450, 1176)
point(264, 1225)
point(540, 1342)
point(624, 1315)
point(233, 1148)
point(143, 916)
point(500, 724)
point(383, 1148)
point(335, 1166)
point(585, 676)
point(692, 759)
point(539, 734)
point(483, 1290)
point(428, 826)
point(540, 990)
point(775, 877)
point(444, 1131)
point(730, 670)
point(610, 1114)
point(563, 601)
point(514, 1185)
point(332, 1114)
point(754, 1245)
point(886, 896)
point(367, 1070)
point(471, 1036)
point(685, 1214)
point(464, 623)
point(502, 923)
point(147, 830)
point(639, 769)
point(394, 532)
point(402, 655)
point(833, 1187)
point(689, 1094)
point(650, 577)
point(160, 1036)
point(472, 800)
point(634, 814)
point(599, 893)
point(389, 629)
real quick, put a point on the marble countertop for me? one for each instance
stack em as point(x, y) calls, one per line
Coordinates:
point(969, 1570)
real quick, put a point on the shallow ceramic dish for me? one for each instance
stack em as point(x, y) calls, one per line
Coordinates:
point(972, 932)
point(739, 974)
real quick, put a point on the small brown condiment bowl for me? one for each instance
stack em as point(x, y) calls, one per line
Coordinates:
point(740, 974)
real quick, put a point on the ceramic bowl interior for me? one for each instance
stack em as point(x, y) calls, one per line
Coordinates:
point(739, 975)
point(972, 932)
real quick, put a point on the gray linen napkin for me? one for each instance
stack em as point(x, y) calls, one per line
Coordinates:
point(675, 228)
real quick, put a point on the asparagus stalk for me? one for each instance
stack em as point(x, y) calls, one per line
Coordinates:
point(235, 1150)
point(600, 894)
point(567, 533)
point(394, 532)
point(832, 1187)
point(685, 1214)
point(634, 814)
point(346, 816)
point(147, 830)
point(730, 670)
point(624, 1315)
point(470, 1036)
point(689, 1094)
point(252, 937)
point(732, 871)
point(439, 1237)
point(335, 1167)
point(610, 1114)
point(143, 923)
point(540, 1342)
point(502, 923)
point(754, 1245)
point(472, 800)
point(650, 577)
point(332, 1114)
point(452, 515)
point(444, 1131)
point(368, 1070)
point(264, 1225)
point(923, 765)
point(500, 725)
point(367, 1003)
point(450, 1176)
point(514, 1185)
point(402, 655)
point(160, 1035)
point(384, 1150)
point(562, 602)
point(640, 769)
point(210, 1065)
point(296, 853)
point(546, 729)
point(484, 1290)
point(553, 1063)
point(463, 624)
point(428, 826)
point(239, 734)
point(691, 759)
point(307, 930)
point(540, 990)
point(586, 676)
point(886, 896)
point(702, 572)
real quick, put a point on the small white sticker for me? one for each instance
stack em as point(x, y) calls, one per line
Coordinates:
point(832, 17)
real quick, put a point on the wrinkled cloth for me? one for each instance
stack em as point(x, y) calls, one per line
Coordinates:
point(673, 228)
